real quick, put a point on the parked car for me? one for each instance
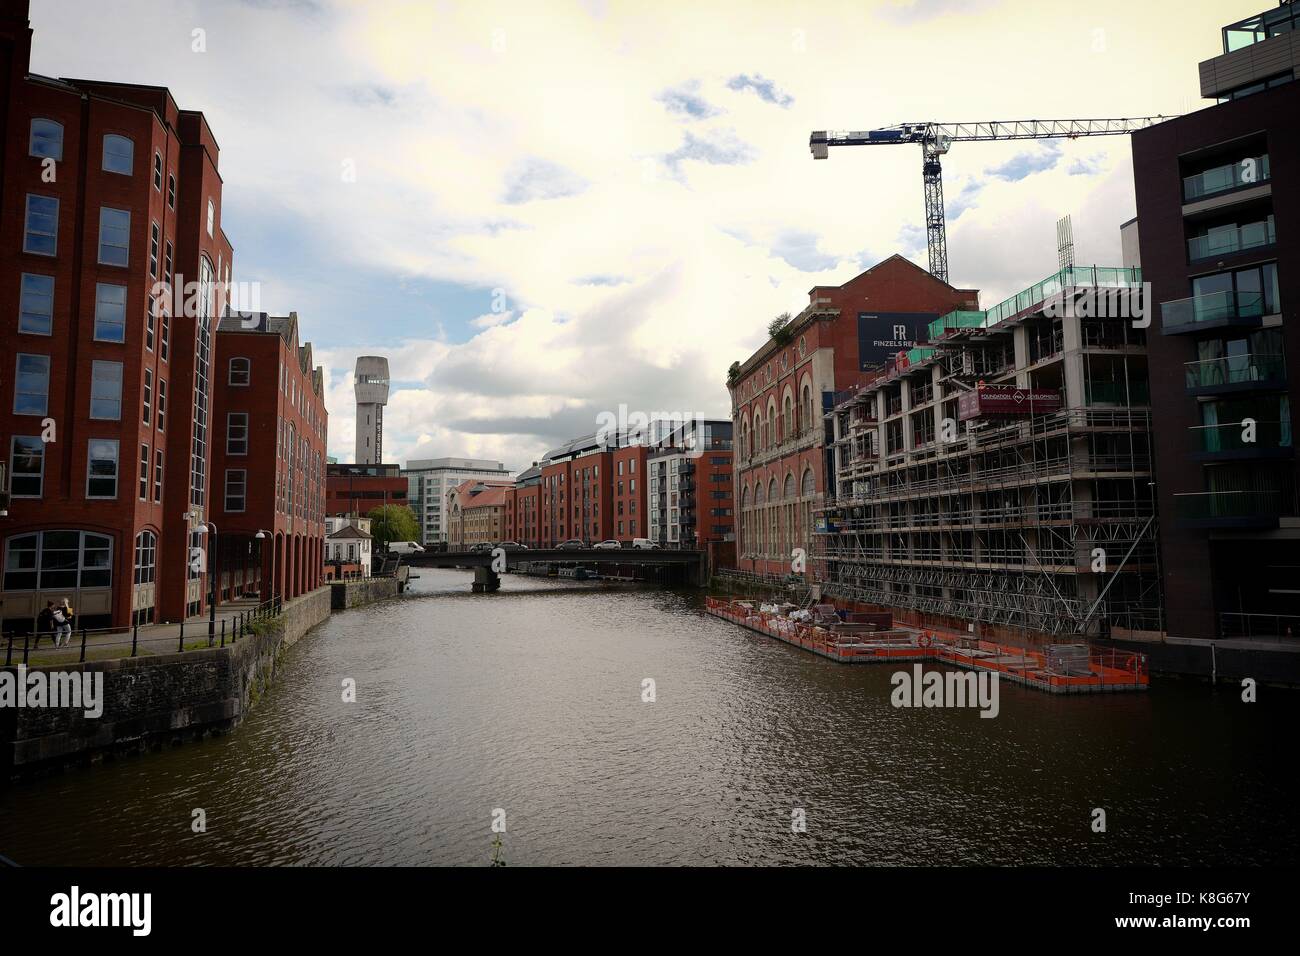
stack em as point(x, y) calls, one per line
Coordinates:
point(481, 546)
point(512, 546)
point(609, 545)
point(573, 544)
point(644, 544)
point(404, 547)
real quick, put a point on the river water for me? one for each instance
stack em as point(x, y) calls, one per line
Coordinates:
point(529, 701)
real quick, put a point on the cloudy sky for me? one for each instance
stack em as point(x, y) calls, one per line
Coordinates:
point(540, 210)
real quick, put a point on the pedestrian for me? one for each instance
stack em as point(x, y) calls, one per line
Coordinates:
point(45, 622)
point(63, 618)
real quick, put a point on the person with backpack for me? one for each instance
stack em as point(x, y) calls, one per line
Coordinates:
point(45, 622)
point(63, 621)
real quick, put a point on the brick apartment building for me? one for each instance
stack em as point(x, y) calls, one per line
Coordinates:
point(780, 394)
point(268, 471)
point(106, 191)
point(478, 513)
point(691, 498)
point(1218, 217)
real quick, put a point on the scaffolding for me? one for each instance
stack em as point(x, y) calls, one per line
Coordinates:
point(1043, 523)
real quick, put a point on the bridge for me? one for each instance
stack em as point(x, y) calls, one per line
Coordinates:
point(693, 565)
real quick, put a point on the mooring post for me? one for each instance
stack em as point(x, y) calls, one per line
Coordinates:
point(83, 643)
point(135, 638)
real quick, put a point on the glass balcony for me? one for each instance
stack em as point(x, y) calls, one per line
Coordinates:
point(1235, 372)
point(1260, 27)
point(1229, 440)
point(1229, 508)
point(1255, 235)
point(1212, 310)
point(1249, 171)
point(1118, 393)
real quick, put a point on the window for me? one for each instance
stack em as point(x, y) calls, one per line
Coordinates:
point(110, 312)
point(46, 140)
point(36, 304)
point(106, 390)
point(119, 154)
point(149, 319)
point(237, 433)
point(153, 249)
point(41, 229)
point(146, 554)
point(157, 171)
point(202, 370)
point(212, 216)
point(101, 468)
point(240, 371)
point(32, 385)
point(148, 394)
point(157, 474)
point(162, 403)
point(171, 191)
point(114, 236)
point(167, 260)
point(166, 336)
point(58, 560)
point(26, 466)
point(144, 472)
point(236, 481)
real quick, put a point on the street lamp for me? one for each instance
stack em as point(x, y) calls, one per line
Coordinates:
point(262, 536)
point(213, 572)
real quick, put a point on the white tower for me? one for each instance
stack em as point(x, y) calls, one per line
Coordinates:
point(371, 388)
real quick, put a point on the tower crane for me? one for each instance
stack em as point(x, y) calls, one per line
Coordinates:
point(935, 140)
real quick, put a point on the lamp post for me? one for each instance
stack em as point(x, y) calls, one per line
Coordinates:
point(214, 571)
point(262, 536)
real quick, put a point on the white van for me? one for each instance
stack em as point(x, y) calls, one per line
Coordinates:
point(404, 547)
point(644, 544)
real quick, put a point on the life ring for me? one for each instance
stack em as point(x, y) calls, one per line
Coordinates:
point(924, 639)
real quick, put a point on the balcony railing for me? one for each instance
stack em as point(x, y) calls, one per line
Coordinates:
point(1214, 308)
point(1211, 506)
point(1251, 236)
point(1221, 179)
point(1235, 370)
point(1118, 393)
point(1283, 626)
point(1230, 437)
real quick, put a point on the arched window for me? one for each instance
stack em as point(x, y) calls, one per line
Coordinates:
point(789, 486)
point(758, 519)
point(787, 417)
point(240, 371)
point(759, 432)
point(809, 483)
point(146, 552)
point(773, 513)
point(806, 404)
point(46, 141)
point(119, 154)
point(772, 437)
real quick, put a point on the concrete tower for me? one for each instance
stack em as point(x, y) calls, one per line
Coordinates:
point(371, 387)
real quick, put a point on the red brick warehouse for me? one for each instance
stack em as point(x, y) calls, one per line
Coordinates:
point(108, 193)
point(780, 394)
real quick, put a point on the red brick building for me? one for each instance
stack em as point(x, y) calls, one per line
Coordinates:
point(106, 190)
point(780, 393)
point(630, 484)
point(359, 489)
point(523, 508)
point(268, 470)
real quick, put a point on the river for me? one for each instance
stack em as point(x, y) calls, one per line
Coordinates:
point(529, 701)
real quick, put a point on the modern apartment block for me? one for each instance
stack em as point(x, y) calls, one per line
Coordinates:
point(999, 476)
point(106, 191)
point(430, 481)
point(1218, 204)
point(781, 393)
point(691, 499)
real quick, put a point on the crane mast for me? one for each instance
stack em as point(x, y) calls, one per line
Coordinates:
point(935, 140)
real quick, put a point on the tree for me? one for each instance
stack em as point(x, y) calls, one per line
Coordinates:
point(779, 329)
point(733, 373)
point(393, 523)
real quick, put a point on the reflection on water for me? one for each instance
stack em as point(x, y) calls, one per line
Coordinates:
point(529, 700)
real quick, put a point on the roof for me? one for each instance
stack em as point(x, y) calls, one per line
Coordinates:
point(285, 326)
point(349, 531)
point(487, 498)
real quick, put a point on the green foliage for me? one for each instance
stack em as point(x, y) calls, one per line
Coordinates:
point(779, 329)
point(393, 523)
point(733, 373)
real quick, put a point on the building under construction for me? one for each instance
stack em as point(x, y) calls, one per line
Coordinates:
point(1000, 476)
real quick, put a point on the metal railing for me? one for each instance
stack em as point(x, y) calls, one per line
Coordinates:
point(1220, 179)
point(1212, 505)
point(1278, 626)
point(1253, 235)
point(1235, 370)
point(1211, 307)
point(1231, 436)
point(19, 647)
